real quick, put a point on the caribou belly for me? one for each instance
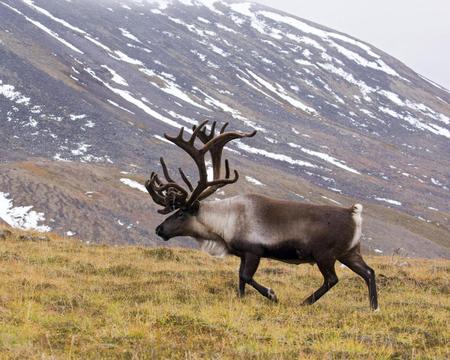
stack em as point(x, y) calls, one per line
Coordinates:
point(290, 252)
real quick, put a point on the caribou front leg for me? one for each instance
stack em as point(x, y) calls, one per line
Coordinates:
point(249, 265)
point(241, 280)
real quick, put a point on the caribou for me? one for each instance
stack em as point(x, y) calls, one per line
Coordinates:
point(255, 226)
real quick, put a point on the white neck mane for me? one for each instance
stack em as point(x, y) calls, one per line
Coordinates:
point(217, 219)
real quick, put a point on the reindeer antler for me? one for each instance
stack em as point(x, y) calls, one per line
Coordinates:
point(215, 146)
point(171, 195)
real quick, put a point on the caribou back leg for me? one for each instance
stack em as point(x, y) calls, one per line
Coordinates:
point(356, 263)
point(326, 267)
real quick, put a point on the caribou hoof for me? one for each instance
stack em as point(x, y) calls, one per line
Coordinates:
point(271, 295)
point(308, 301)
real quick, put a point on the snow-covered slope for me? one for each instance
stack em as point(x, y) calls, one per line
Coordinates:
point(338, 120)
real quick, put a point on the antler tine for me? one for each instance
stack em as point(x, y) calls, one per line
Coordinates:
point(188, 145)
point(223, 128)
point(170, 194)
point(157, 181)
point(227, 169)
point(165, 171)
point(222, 182)
point(213, 129)
point(186, 180)
point(197, 131)
point(179, 136)
point(217, 184)
point(203, 136)
point(152, 175)
point(150, 186)
point(225, 137)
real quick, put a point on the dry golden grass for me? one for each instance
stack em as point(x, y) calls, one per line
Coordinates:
point(63, 299)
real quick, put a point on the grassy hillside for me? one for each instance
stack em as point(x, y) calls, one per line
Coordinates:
point(64, 299)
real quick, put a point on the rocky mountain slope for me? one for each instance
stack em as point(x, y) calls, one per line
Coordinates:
point(87, 89)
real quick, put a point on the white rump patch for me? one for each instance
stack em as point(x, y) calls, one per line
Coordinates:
point(357, 218)
point(357, 209)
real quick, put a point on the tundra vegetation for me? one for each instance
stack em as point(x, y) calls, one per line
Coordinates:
point(62, 298)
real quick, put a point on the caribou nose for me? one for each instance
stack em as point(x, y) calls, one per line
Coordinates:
point(159, 231)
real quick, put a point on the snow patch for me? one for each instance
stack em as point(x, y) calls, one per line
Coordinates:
point(281, 92)
point(126, 95)
point(257, 88)
point(81, 150)
point(331, 200)
point(274, 156)
point(133, 184)
point(389, 201)
point(118, 106)
point(171, 88)
point(326, 157)
point(163, 139)
point(10, 93)
point(254, 181)
point(209, 100)
point(115, 76)
point(256, 23)
point(363, 87)
point(98, 43)
point(21, 217)
point(376, 64)
point(31, 4)
point(129, 35)
point(77, 117)
point(125, 58)
point(45, 29)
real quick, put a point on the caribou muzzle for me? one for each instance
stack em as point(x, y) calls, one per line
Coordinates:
point(160, 232)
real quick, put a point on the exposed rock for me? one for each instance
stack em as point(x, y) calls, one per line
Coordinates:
point(4, 234)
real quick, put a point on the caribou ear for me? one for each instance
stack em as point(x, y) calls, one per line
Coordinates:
point(194, 207)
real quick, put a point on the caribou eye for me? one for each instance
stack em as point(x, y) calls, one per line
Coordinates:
point(194, 208)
